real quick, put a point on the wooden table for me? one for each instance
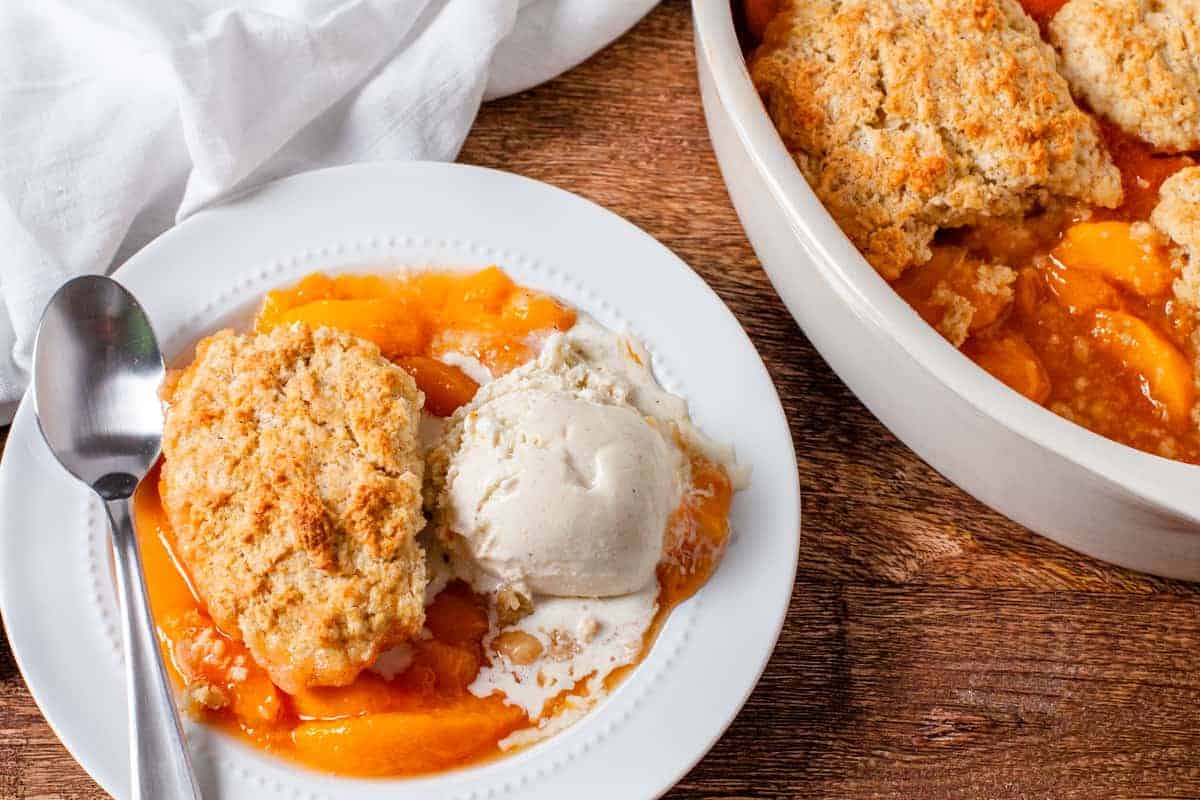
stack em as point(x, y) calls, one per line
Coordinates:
point(933, 649)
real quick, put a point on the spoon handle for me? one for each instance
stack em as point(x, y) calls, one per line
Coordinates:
point(160, 767)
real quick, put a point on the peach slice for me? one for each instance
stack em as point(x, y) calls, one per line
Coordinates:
point(1163, 372)
point(406, 742)
point(1079, 291)
point(446, 387)
point(383, 322)
point(1112, 249)
point(369, 694)
point(1010, 360)
point(202, 655)
point(445, 667)
point(457, 617)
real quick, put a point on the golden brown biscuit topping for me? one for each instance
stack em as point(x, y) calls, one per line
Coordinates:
point(292, 478)
point(1135, 62)
point(907, 116)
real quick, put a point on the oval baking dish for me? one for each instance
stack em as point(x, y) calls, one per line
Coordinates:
point(1056, 478)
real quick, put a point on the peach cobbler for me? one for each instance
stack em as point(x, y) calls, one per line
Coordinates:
point(1023, 174)
point(412, 522)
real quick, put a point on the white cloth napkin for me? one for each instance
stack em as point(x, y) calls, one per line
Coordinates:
point(119, 118)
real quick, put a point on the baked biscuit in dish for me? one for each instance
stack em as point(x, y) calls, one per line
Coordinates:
point(1177, 216)
point(1136, 62)
point(907, 116)
point(292, 478)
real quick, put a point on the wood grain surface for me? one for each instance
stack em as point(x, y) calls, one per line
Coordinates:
point(933, 648)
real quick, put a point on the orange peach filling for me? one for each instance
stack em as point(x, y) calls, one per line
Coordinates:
point(417, 318)
point(1090, 326)
point(1077, 314)
point(423, 719)
point(1092, 330)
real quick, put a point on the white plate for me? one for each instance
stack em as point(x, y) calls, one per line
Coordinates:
point(56, 595)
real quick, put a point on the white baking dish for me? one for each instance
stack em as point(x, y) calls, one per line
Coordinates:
point(1060, 480)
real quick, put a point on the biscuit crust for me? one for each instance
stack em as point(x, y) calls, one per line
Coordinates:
point(907, 116)
point(1136, 62)
point(292, 478)
point(1177, 216)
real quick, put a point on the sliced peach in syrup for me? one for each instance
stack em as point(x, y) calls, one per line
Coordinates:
point(481, 294)
point(440, 671)
point(1013, 362)
point(698, 532)
point(1113, 250)
point(446, 387)
point(457, 616)
point(1164, 373)
point(528, 311)
point(193, 647)
point(384, 322)
point(369, 694)
point(1028, 291)
point(483, 314)
point(452, 667)
point(255, 699)
point(406, 742)
point(360, 287)
point(1079, 291)
point(316, 286)
point(715, 493)
point(169, 592)
point(201, 653)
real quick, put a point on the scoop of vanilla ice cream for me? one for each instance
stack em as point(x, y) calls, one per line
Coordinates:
point(558, 479)
point(561, 494)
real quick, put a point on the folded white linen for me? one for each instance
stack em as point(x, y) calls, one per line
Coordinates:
point(119, 118)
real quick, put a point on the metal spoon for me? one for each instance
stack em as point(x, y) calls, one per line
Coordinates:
point(96, 374)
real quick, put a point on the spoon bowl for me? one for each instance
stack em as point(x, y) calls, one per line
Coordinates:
point(96, 374)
